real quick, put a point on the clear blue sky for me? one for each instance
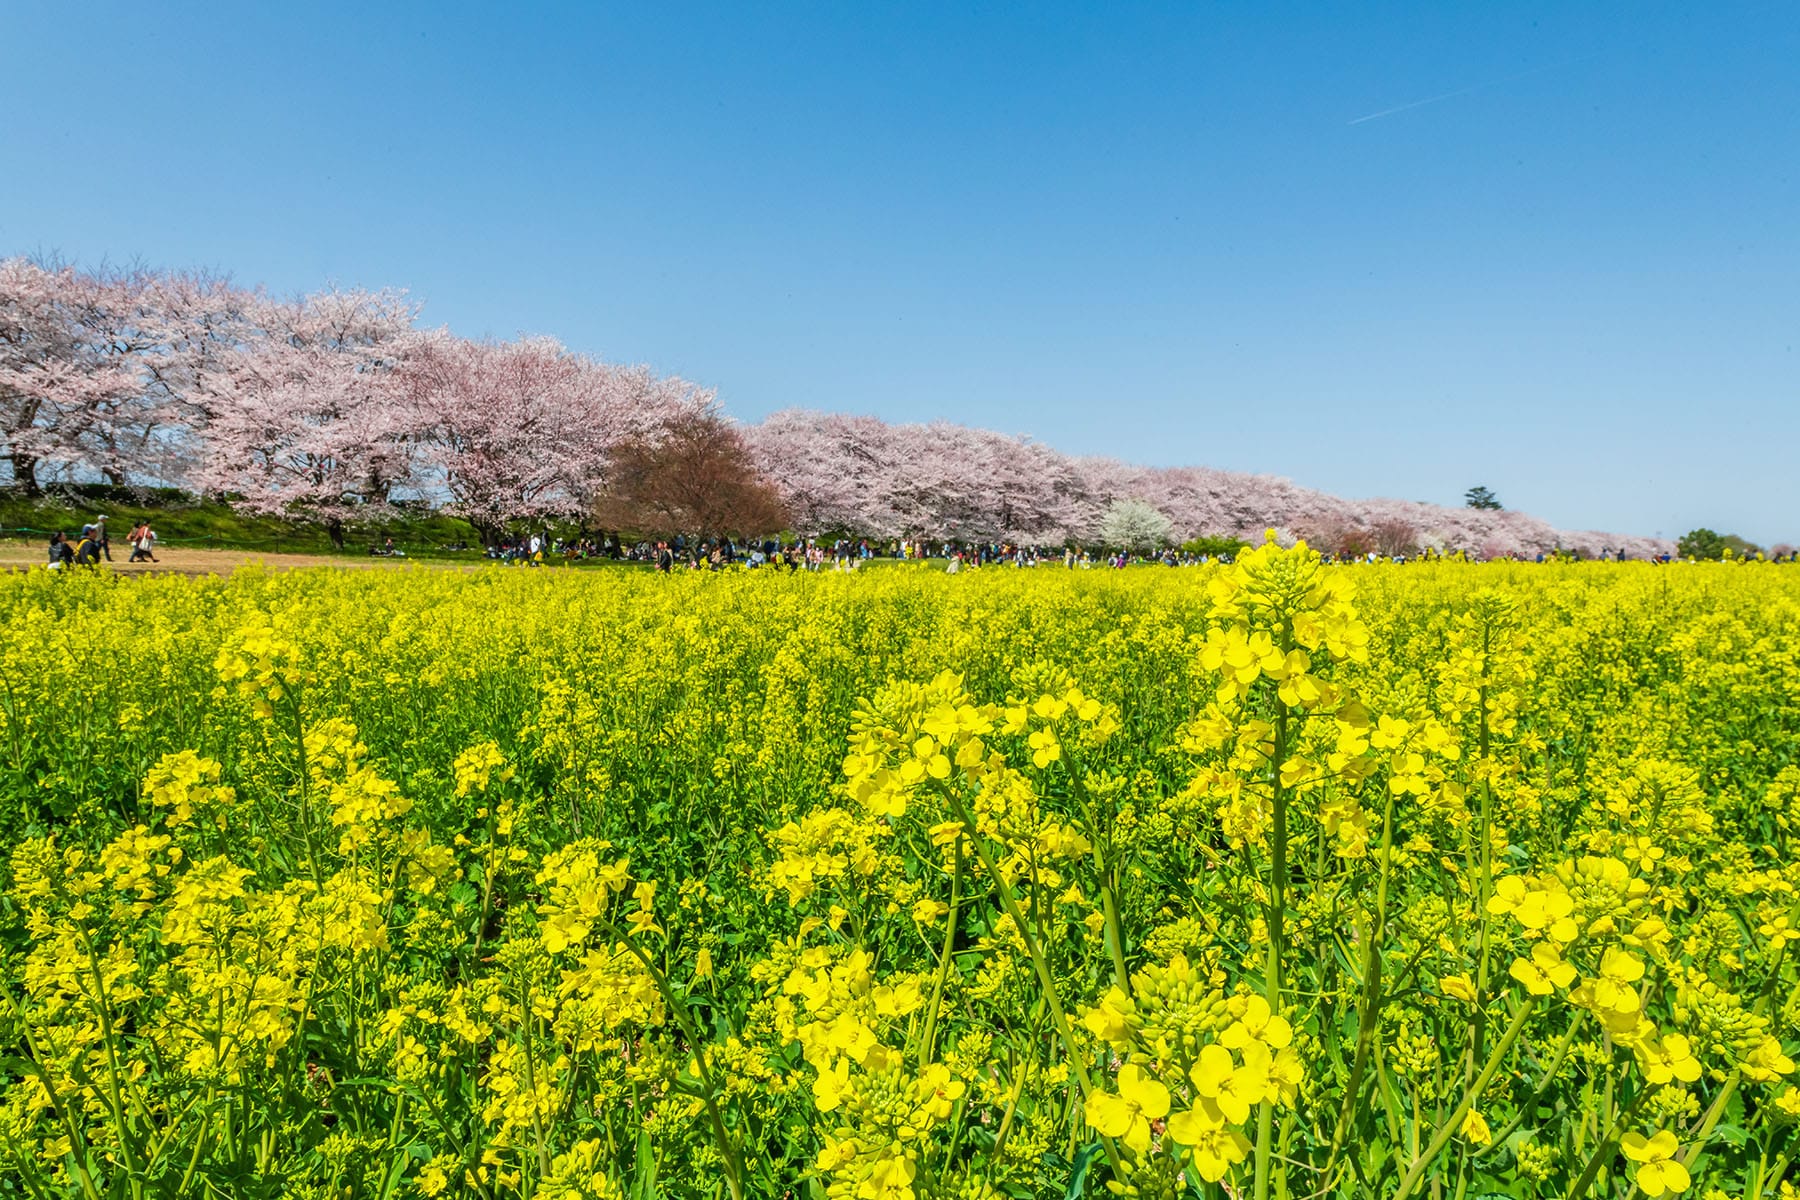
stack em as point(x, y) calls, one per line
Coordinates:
point(1156, 232)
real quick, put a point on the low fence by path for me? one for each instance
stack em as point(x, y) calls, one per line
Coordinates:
point(213, 541)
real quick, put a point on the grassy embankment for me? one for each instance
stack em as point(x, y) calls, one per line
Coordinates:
point(183, 523)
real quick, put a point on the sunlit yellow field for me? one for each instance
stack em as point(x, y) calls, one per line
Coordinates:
point(1272, 879)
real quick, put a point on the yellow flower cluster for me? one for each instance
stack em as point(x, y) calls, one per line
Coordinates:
point(262, 664)
point(183, 782)
point(579, 889)
point(1223, 1057)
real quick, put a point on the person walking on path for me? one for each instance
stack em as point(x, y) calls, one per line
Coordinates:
point(101, 537)
point(143, 543)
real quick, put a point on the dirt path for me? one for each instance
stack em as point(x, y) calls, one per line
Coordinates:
point(183, 560)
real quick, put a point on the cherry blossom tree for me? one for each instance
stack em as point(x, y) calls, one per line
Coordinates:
point(832, 470)
point(98, 369)
point(166, 332)
point(630, 405)
point(523, 430)
point(498, 427)
point(337, 405)
point(208, 323)
point(1335, 533)
point(952, 481)
point(1022, 491)
point(67, 371)
point(1394, 536)
point(36, 361)
point(310, 417)
point(853, 474)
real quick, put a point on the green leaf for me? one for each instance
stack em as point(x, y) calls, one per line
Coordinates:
point(1731, 1135)
point(395, 1172)
point(1084, 1158)
point(643, 1183)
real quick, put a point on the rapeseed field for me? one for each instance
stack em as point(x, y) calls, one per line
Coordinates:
point(1274, 879)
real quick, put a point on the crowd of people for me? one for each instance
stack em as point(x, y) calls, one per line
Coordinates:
point(847, 554)
point(95, 545)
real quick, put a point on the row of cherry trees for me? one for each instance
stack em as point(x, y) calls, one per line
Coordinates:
point(951, 481)
point(332, 406)
point(336, 406)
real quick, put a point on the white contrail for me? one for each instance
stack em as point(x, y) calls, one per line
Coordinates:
point(1398, 108)
point(1476, 87)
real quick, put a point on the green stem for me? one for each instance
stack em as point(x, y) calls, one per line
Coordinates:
point(103, 1010)
point(1711, 1120)
point(1444, 1132)
point(1046, 979)
point(945, 959)
point(1012, 1108)
point(1370, 1016)
point(35, 1064)
point(734, 1163)
point(1525, 1109)
point(1106, 870)
point(1772, 1178)
point(1278, 881)
point(537, 1120)
point(187, 1176)
point(487, 881)
point(1603, 1149)
point(306, 821)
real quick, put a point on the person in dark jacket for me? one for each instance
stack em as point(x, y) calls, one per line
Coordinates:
point(87, 550)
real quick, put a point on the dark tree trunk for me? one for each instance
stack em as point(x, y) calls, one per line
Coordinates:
point(334, 529)
point(489, 534)
point(24, 469)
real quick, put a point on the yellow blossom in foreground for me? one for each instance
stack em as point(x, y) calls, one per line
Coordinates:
point(1214, 1147)
point(1658, 1172)
point(1459, 986)
point(1235, 1088)
point(1544, 971)
point(1127, 1114)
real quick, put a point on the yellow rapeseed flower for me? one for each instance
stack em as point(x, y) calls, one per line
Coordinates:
point(1127, 1114)
point(1658, 1173)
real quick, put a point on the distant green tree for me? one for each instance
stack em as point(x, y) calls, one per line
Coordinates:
point(1706, 544)
point(1481, 497)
